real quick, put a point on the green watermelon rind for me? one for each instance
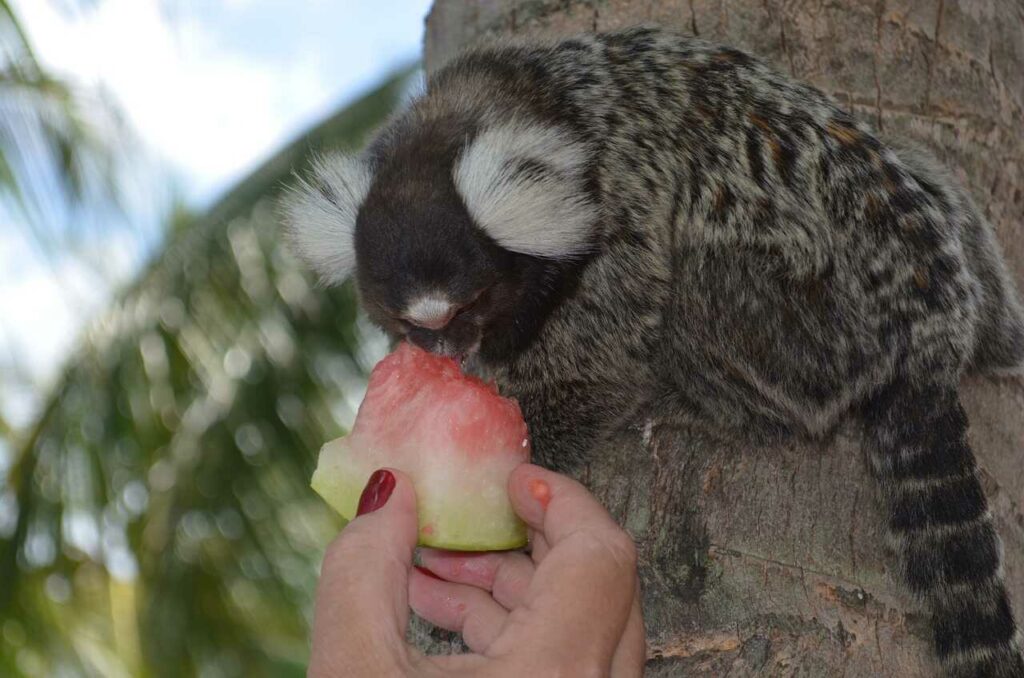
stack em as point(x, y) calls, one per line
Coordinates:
point(340, 481)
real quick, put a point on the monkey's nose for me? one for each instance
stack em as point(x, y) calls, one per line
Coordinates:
point(430, 312)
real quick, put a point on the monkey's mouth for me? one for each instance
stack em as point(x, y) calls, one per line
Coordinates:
point(462, 346)
point(469, 360)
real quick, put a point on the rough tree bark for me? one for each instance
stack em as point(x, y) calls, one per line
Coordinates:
point(771, 561)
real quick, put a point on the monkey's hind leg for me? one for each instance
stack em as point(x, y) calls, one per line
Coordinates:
point(916, 437)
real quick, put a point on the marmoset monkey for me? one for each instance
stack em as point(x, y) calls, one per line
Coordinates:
point(615, 219)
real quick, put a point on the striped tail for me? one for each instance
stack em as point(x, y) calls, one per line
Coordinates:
point(949, 551)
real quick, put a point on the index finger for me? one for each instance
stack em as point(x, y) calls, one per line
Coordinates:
point(361, 609)
point(582, 592)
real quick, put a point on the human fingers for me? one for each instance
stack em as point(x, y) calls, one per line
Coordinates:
point(462, 608)
point(538, 545)
point(506, 575)
point(361, 608)
point(631, 653)
point(555, 506)
point(582, 592)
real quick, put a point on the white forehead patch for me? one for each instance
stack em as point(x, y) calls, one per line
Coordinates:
point(320, 214)
point(432, 311)
point(525, 185)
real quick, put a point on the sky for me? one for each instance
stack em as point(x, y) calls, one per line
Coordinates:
point(210, 88)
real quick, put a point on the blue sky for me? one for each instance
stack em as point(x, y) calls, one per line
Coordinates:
point(210, 88)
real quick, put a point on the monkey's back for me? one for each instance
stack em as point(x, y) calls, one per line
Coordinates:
point(810, 260)
point(785, 249)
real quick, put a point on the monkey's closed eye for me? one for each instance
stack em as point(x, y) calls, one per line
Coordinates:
point(472, 302)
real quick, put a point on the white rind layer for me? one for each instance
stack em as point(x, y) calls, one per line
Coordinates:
point(462, 502)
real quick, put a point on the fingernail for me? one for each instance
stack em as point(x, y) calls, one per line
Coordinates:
point(423, 570)
point(541, 491)
point(375, 494)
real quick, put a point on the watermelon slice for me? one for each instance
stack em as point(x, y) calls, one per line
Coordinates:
point(451, 433)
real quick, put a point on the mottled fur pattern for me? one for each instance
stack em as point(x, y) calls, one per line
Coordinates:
point(752, 255)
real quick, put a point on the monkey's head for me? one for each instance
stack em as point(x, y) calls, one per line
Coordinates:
point(458, 238)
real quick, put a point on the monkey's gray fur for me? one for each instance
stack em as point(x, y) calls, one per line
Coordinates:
point(632, 217)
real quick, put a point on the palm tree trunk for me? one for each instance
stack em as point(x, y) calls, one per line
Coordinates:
point(771, 561)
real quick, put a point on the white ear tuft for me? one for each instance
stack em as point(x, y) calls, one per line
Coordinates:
point(524, 185)
point(320, 214)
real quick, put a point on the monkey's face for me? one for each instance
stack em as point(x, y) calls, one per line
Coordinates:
point(458, 245)
point(426, 272)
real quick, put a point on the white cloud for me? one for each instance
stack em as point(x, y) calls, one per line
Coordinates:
point(212, 112)
point(44, 307)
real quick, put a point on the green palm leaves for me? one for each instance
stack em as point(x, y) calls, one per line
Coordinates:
point(164, 522)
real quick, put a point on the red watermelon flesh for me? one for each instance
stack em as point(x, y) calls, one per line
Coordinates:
point(451, 433)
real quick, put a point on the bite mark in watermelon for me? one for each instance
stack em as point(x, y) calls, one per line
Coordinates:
point(452, 434)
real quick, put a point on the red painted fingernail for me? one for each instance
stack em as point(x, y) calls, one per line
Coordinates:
point(375, 494)
point(541, 491)
point(427, 572)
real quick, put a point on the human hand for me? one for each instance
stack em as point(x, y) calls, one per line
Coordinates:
point(571, 607)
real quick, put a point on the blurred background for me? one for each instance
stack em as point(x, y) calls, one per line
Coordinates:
point(167, 370)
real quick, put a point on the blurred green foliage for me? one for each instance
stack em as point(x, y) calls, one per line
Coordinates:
point(158, 519)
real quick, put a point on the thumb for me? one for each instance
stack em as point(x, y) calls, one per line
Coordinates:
point(362, 608)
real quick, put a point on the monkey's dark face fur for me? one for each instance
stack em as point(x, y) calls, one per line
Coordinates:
point(427, 272)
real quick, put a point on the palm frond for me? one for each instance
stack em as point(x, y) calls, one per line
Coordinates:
point(167, 481)
point(61, 146)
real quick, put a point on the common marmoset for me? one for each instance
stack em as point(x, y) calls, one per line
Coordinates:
point(614, 219)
